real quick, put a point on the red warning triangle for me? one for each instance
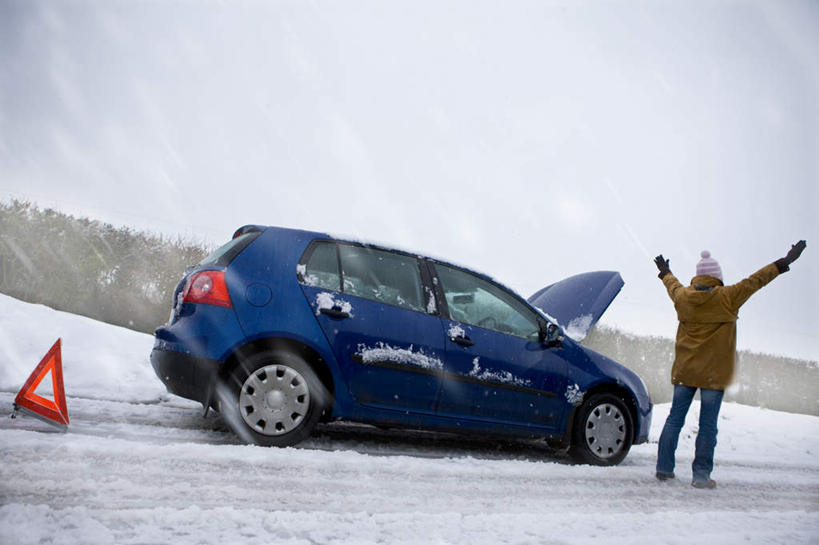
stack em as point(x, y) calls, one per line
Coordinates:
point(54, 411)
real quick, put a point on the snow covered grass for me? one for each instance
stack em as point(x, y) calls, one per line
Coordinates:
point(139, 466)
point(99, 360)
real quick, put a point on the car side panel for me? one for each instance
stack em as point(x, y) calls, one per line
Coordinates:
point(268, 266)
point(390, 356)
point(588, 370)
point(503, 379)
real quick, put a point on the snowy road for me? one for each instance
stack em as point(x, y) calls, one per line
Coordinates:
point(138, 466)
point(160, 473)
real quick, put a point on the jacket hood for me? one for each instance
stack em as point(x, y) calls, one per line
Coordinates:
point(578, 302)
point(702, 289)
point(705, 280)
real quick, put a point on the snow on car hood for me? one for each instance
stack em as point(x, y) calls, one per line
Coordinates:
point(579, 301)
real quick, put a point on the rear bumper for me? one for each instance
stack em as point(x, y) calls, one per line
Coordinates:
point(187, 376)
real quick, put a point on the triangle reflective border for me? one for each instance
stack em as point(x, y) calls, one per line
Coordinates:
point(54, 412)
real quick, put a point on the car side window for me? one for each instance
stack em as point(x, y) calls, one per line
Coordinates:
point(475, 301)
point(382, 276)
point(321, 267)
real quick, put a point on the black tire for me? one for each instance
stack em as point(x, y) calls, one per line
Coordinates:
point(602, 432)
point(273, 399)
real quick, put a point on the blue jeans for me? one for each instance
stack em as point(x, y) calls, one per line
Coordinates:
point(710, 402)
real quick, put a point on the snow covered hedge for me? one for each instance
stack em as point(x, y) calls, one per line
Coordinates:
point(112, 274)
point(762, 380)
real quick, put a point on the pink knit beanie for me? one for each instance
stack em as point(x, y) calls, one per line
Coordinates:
point(708, 266)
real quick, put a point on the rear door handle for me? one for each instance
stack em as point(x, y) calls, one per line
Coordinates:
point(463, 341)
point(336, 313)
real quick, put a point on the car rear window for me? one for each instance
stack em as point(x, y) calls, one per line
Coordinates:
point(226, 253)
point(378, 275)
point(382, 276)
point(320, 268)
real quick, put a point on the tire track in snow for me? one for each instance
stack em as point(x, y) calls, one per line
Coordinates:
point(125, 472)
point(136, 446)
point(119, 473)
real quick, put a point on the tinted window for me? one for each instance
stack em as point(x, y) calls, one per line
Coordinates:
point(223, 255)
point(321, 267)
point(381, 276)
point(475, 301)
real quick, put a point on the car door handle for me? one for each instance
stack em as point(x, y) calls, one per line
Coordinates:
point(463, 341)
point(335, 313)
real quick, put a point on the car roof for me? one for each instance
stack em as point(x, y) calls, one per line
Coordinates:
point(318, 235)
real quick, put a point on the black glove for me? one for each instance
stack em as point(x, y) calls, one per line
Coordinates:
point(793, 254)
point(795, 251)
point(662, 265)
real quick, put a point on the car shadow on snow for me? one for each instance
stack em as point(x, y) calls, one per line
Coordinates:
point(372, 440)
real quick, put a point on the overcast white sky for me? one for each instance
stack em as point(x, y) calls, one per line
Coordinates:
point(530, 140)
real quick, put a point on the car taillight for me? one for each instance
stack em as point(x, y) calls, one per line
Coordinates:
point(208, 288)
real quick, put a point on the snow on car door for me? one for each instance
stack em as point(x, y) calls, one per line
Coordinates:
point(389, 348)
point(496, 368)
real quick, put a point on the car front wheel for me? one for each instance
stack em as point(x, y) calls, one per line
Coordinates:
point(603, 431)
point(273, 399)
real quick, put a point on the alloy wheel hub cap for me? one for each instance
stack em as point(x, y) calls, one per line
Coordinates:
point(274, 400)
point(605, 430)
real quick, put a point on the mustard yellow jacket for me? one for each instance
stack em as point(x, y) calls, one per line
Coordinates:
point(707, 334)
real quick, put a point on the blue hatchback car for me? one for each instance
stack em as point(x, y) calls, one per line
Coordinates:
point(281, 328)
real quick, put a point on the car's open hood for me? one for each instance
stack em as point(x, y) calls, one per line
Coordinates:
point(579, 301)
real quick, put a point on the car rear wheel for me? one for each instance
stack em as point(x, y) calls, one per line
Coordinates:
point(603, 431)
point(273, 399)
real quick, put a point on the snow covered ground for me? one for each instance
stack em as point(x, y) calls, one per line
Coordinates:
point(139, 466)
